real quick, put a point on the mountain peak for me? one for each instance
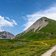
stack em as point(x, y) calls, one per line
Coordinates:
point(39, 24)
point(44, 17)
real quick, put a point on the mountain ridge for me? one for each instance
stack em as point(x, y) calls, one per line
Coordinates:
point(6, 35)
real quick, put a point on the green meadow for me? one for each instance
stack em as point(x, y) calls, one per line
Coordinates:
point(25, 47)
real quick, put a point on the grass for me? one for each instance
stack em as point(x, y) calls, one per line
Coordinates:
point(25, 48)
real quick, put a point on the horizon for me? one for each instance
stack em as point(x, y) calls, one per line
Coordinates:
point(17, 16)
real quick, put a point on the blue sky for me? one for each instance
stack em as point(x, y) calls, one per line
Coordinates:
point(17, 15)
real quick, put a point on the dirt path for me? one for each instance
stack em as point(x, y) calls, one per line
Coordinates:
point(49, 52)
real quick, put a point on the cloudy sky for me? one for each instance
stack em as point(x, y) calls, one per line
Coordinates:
point(17, 15)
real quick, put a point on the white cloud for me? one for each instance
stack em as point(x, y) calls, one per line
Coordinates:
point(5, 22)
point(50, 13)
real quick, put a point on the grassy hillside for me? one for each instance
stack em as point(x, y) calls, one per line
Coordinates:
point(48, 32)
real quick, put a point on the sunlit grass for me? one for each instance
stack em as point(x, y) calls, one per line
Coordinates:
point(25, 48)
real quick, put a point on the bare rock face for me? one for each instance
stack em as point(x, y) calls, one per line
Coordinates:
point(39, 24)
point(6, 35)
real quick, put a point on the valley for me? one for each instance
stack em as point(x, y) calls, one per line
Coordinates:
point(35, 41)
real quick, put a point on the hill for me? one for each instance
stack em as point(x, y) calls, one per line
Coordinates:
point(42, 29)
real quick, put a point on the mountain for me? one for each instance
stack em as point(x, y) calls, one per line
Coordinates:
point(6, 35)
point(35, 41)
point(43, 28)
point(39, 24)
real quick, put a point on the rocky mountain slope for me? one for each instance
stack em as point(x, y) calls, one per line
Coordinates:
point(44, 28)
point(6, 35)
point(39, 24)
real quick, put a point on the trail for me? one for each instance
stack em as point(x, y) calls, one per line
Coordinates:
point(49, 52)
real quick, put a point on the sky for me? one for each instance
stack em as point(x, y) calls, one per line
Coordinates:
point(17, 15)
